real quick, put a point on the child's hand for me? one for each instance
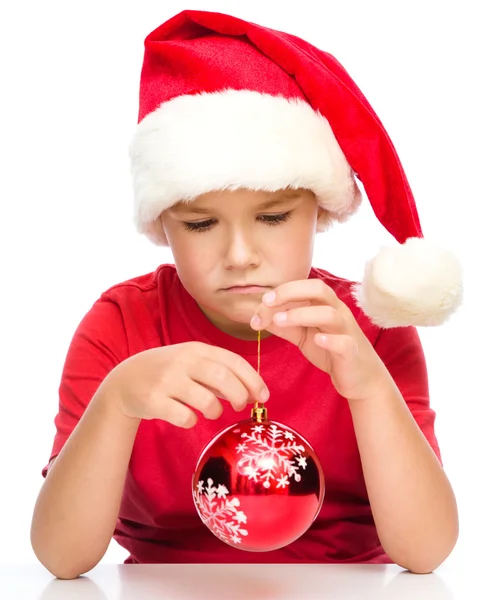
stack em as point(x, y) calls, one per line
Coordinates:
point(310, 315)
point(168, 383)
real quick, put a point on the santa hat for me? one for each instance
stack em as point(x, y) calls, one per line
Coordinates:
point(227, 104)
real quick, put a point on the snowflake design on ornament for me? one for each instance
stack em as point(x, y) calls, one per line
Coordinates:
point(271, 453)
point(221, 515)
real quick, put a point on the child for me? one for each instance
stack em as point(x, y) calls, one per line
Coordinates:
point(249, 142)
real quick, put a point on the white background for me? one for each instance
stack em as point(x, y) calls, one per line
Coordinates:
point(70, 76)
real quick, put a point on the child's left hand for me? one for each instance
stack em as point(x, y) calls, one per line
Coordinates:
point(325, 330)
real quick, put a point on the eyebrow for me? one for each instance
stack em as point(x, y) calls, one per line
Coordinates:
point(185, 207)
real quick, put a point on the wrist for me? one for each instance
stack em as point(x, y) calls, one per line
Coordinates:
point(383, 387)
point(110, 401)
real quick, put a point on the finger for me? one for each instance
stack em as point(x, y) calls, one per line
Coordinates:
point(325, 318)
point(265, 314)
point(242, 370)
point(339, 345)
point(222, 379)
point(175, 412)
point(313, 290)
point(290, 334)
point(199, 397)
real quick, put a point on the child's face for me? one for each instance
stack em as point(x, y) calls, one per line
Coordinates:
point(234, 238)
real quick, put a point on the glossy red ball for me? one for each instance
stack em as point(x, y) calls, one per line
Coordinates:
point(258, 485)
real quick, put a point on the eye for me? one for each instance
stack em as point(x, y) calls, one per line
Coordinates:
point(270, 220)
point(199, 226)
point(273, 220)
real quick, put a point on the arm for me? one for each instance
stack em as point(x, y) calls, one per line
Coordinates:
point(386, 387)
point(75, 513)
point(77, 508)
point(412, 501)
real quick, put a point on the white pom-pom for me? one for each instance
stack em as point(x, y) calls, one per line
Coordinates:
point(415, 283)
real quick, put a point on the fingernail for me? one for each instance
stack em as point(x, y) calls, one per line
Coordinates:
point(269, 298)
point(281, 317)
point(256, 322)
point(264, 394)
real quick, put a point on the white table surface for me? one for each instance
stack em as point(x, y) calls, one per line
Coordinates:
point(248, 582)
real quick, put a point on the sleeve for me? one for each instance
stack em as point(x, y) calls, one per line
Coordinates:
point(98, 345)
point(402, 352)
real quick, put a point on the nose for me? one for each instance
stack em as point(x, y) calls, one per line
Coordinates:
point(241, 250)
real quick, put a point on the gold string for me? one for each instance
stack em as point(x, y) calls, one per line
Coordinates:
point(259, 413)
point(259, 350)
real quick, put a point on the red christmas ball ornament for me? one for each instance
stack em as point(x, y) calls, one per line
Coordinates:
point(258, 485)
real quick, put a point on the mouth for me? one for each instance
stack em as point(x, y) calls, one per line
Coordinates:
point(246, 289)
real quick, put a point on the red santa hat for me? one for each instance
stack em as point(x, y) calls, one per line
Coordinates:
point(227, 104)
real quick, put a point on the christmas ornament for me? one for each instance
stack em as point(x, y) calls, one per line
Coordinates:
point(258, 485)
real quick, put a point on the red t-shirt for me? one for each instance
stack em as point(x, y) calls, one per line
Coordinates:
point(158, 522)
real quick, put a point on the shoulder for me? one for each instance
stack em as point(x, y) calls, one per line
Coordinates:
point(146, 284)
point(125, 316)
point(142, 305)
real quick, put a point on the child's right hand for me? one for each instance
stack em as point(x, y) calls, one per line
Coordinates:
point(169, 382)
